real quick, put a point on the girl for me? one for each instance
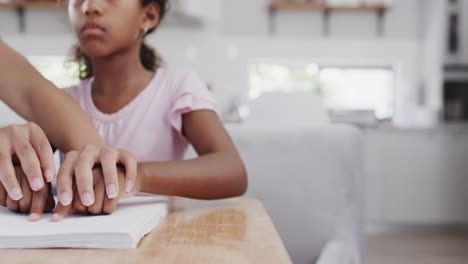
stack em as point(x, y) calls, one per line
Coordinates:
point(152, 112)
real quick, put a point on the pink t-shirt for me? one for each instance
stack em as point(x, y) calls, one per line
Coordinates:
point(150, 125)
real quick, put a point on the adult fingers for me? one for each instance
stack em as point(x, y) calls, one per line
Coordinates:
point(44, 151)
point(84, 175)
point(111, 204)
point(100, 195)
point(109, 158)
point(130, 163)
point(22, 147)
point(65, 178)
point(8, 176)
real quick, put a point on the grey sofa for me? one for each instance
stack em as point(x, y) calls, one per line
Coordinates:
point(308, 174)
point(310, 180)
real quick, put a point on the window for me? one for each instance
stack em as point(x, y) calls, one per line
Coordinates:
point(358, 89)
point(266, 78)
point(341, 88)
point(56, 69)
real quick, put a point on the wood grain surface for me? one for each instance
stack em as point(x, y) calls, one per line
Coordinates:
point(228, 231)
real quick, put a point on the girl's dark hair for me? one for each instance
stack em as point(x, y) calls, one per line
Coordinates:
point(148, 56)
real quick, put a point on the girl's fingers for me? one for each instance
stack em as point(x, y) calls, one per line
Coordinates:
point(38, 204)
point(12, 205)
point(3, 196)
point(65, 178)
point(109, 205)
point(130, 163)
point(50, 204)
point(109, 158)
point(44, 152)
point(8, 177)
point(100, 194)
point(25, 202)
point(60, 209)
point(22, 147)
point(84, 174)
point(78, 207)
point(59, 212)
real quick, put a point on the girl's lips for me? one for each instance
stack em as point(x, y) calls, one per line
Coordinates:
point(91, 29)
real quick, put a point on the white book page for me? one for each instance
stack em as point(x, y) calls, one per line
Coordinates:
point(131, 215)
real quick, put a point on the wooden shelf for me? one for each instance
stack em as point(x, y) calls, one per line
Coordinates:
point(21, 6)
point(277, 6)
point(326, 9)
point(34, 4)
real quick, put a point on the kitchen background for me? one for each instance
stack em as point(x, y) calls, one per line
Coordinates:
point(398, 71)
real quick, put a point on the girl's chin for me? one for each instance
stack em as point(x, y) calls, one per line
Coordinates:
point(95, 52)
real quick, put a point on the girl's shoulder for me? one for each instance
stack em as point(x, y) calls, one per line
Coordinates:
point(177, 77)
point(180, 80)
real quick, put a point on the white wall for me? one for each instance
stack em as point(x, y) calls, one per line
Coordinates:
point(249, 17)
point(433, 46)
point(464, 34)
point(417, 176)
point(210, 10)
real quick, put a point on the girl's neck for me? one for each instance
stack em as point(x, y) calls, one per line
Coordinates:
point(118, 79)
point(120, 73)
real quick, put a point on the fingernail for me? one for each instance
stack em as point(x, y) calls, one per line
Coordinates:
point(111, 191)
point(87, 199)
point(48, 175)
point(16, 194)
point(37, 184)
point(129, 186)
point(34, 217)
point(65, 198)
point(56, 218)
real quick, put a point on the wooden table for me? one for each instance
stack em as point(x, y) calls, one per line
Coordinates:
point(228, 231)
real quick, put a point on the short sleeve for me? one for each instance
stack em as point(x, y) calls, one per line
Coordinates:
point(71, 91)
point(192, 95)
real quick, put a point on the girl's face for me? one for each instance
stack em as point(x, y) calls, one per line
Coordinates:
point(105, 27)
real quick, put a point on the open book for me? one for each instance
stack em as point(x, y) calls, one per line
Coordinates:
point(134, 218)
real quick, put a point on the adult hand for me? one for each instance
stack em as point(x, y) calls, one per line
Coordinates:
point(77, 168)
point(32, 203)
point(27, 146)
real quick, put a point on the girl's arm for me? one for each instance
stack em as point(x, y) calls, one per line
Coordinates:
point(217, 173)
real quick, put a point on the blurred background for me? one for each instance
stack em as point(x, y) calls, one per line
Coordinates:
point(351, 115)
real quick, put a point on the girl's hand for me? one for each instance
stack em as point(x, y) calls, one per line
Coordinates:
point(102, 205)
point(77, 170)
point(26, 145)
point(34, 203)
